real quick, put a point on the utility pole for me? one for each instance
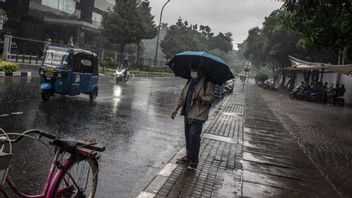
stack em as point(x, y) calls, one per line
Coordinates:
point(158, 36)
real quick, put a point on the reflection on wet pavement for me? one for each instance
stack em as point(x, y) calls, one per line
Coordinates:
point(131, 119)
point(323, 131)
point(273, 163)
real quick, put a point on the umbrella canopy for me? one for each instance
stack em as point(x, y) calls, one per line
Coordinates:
point(215, 69)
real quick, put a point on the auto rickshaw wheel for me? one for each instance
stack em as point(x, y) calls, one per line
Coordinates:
point(93, 95)
point(46, 94)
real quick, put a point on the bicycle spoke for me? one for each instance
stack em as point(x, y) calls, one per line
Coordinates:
point(80, 180)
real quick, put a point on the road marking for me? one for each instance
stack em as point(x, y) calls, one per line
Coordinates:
point(232, 114)
point(13, 113)
point(146, 195)
point(219, 138)
point(167, 170)
point(17, 113)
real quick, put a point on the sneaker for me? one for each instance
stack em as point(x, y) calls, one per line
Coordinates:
point(184, 160)
point(192, 166)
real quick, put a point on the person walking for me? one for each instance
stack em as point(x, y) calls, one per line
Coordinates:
point(195, 100)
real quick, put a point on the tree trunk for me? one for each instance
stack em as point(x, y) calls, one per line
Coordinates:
point(274, 74)
point(138, 52)
point(122, 48)
point(344, 55)
point(339, 57)
point(283, 76)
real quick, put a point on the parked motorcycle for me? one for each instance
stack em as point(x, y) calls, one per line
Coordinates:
point(297, 93)
point(122, 75)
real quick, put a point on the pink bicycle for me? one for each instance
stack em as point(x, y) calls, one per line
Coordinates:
point(73, 172)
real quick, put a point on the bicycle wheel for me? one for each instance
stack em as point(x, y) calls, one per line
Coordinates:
point(80, 180)
point(3, 193)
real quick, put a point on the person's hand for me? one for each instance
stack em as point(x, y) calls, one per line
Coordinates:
point(173, 114)
point(197, 99)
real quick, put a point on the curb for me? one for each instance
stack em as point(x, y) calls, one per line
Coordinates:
point(155, 184)
point(159, 180)
point(15, 74)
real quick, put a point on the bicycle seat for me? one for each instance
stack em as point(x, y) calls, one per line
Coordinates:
point(71, 145)
point(68, 145)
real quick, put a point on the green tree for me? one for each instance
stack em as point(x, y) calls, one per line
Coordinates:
point(148, 28)
point(183, 36)
point(278, 44)
point(271, 45)
point(322, 24)
point(252, 47)
point(122, 24)
point(222, 42)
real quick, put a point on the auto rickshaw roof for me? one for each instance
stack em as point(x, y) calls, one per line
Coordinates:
point(71, 50)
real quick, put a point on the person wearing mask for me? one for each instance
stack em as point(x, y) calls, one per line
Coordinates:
point(195, 100)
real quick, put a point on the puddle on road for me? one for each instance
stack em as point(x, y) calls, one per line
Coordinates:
point(232, 114)
point(229, 187)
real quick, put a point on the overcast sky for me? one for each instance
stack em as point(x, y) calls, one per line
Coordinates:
point(235, 16)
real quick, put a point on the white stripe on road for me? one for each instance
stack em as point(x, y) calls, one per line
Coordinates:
point(13, 113)
point(167, 170)
point(146, 195)
point(17, 113)
point(218, 138)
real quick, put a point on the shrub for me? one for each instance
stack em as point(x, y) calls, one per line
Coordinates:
point(6, 66)
point(151, 69)
point(261, 77)
point(109, 64)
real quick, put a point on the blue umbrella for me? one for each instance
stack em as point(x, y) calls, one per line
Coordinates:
point(215, 69)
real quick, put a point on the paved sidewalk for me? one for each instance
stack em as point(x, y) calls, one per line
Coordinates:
point(245, 152)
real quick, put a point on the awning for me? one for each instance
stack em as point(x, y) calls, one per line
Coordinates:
point(85, 25)
point(301, 65)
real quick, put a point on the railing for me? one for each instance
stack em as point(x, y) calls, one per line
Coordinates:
point(25, 46)
point(22, 58)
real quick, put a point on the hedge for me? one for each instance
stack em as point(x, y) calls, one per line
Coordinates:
point(261, 77)
point(109, 64)
point(113, 65)
point(6, 66)
point(152, 69)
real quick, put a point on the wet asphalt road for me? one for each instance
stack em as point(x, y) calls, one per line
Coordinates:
point(131, 120)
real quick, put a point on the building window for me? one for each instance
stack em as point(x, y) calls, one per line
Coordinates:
point(67, 6)
point(112, 2)
point(98, 18)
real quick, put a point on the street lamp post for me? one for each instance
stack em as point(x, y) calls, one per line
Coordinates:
point(157, 39)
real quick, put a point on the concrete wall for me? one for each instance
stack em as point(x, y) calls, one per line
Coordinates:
point(331, 78)
point(347, 81)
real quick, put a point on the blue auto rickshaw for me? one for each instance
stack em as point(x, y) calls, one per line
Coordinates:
point(69, 71)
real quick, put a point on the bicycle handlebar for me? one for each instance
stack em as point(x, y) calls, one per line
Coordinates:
point(57, 141)
point(35, 131)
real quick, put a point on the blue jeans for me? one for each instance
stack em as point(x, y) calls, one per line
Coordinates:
point(193, 130)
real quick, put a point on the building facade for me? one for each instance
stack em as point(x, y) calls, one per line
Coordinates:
point(57, 20)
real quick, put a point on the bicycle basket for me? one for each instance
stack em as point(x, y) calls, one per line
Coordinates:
point(5, 159)
point(5, 156)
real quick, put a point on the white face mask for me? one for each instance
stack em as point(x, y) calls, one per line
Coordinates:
point(194, 74)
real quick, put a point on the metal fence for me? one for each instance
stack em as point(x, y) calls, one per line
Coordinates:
point(30, 51)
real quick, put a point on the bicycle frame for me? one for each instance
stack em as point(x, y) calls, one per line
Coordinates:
point(55, 173)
